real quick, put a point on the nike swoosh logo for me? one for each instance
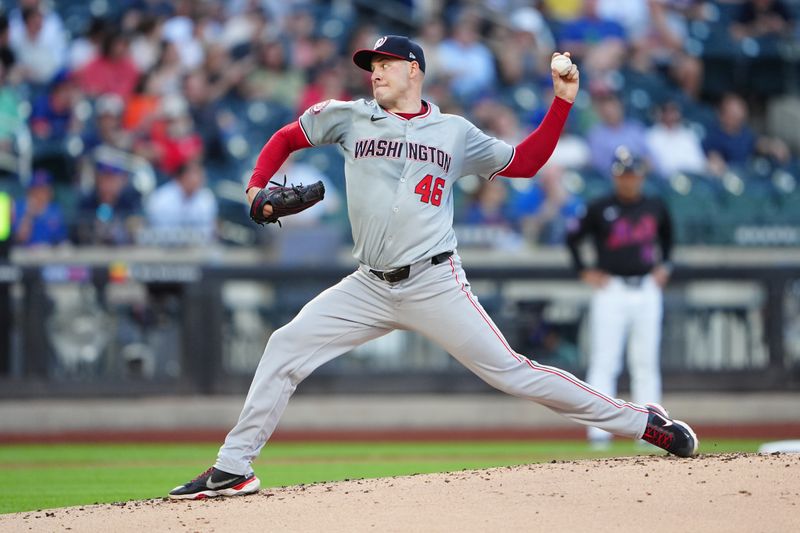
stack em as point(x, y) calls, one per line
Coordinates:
point(373, 118)
point(213, 485)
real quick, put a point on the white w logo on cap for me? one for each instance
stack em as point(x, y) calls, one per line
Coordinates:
point(380, 42)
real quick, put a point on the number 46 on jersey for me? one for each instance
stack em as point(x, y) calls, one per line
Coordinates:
point(430, 190)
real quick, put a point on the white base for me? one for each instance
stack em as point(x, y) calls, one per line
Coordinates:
point(782, 446)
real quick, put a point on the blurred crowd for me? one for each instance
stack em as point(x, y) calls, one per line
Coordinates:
point(138, 121)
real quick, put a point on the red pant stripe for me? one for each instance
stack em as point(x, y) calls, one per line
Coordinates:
point(535, 366)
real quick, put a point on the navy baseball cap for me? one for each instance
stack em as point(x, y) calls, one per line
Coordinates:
point(40, 178)
point(625, 161)
point(390, 46)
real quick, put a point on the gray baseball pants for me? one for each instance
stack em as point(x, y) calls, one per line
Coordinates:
point(435, 301)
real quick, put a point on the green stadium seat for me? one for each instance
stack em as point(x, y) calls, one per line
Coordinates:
point(693, 202)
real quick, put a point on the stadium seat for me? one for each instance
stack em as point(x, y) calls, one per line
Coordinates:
point(746, 200)
point(655, 186)
point(786, 186)
point(595, 185)
point(12, 186)
point(693, 201)
point(641, 92)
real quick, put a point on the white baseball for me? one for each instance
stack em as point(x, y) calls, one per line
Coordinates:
point(561, 64)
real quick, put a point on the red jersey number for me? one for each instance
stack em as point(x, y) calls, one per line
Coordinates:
point(430, 190)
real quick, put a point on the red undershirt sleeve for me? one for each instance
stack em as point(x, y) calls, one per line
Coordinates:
point(535, 149)
point(285, 141)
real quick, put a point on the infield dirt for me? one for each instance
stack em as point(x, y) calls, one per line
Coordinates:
point(725, 493)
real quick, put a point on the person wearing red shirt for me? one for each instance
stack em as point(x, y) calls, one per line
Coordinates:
point(113, 71)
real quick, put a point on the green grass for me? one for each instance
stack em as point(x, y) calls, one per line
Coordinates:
point(48, 476)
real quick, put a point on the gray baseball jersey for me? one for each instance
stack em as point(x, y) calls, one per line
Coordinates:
point(400, 175)
point(399, 170)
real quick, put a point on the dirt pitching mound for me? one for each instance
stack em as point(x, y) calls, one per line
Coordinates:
point(733, 492)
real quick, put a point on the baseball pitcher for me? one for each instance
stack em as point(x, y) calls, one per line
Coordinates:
point(402, 159)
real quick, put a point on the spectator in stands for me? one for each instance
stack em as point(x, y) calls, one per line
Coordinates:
point(39, 43)
point(173, 140)
point(146, 42)
point(107, 129)
point(673, 146)
point(562, 11)
point(762, 18)
point(504, 123)
point(523, 54)
point(110, 214)
point(489, 213)
point(595, 43)
point(38, 220)
point(53, 112)
point(499, 120)
point(184, 29)
point(213, 122)
point(8, 59)
point(489, 205)
point(183, 210)
point(223, 72)
point(431, 34)
point(12, 119)
point(86, 48)
point(144, 105)
point(245, 27)
point(545, 210)
point(328, 84)
point(273, 78)
point(364, 36)
point(731, 141)
point(168, 71)
point(326, 55)
point(112, 71)
point(299, 28)
point(613, 130)
point(632, 15)
point(466, 61)
point(53, 24)
point(53, 121)
point(662, 45)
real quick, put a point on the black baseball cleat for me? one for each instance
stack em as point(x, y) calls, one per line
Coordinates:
point(213, 483)
point(674, 436)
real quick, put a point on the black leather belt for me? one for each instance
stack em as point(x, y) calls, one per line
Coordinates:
point(399, 274)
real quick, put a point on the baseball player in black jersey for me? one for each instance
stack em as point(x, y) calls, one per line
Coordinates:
point(632, 236)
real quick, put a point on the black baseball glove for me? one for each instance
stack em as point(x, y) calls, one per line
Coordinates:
point(284, 200)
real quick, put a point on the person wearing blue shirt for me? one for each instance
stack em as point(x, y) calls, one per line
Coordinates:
point(544, 211)
point(37, 218)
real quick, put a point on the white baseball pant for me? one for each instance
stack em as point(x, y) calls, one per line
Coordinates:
point(621, 312)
